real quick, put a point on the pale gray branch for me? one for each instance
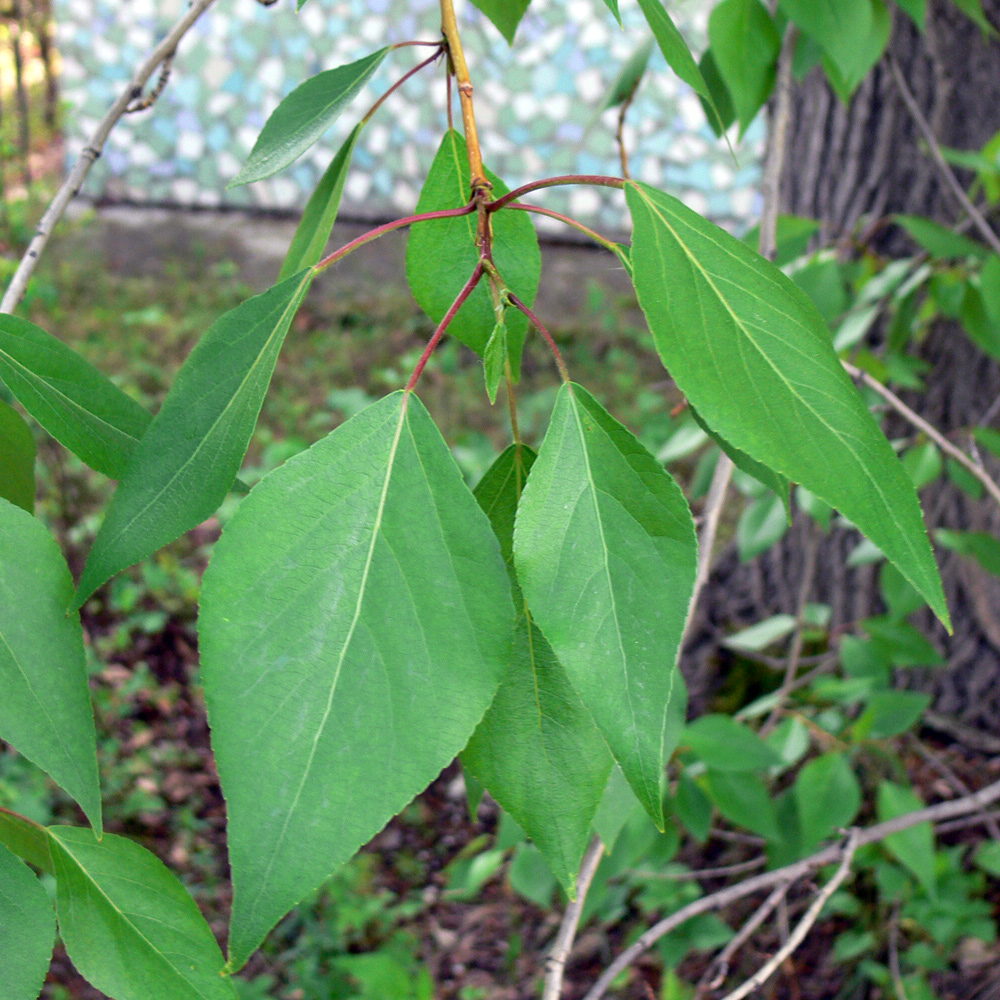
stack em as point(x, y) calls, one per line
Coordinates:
point(164, 51)
point(974, 803)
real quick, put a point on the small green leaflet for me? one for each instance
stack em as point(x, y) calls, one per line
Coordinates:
point(917, 9)
point(612, 5)
point(840, 27)
point(440, 255)
point(537, 750)
point(827, 796)
point(45, 713)
point(978, 545)
point(606, 554)
point(753, 355)
point(356, 620)
point(744, 800)
point(304, 115)
point(17, 459)
point(724, 744)
point(675, 50)
point(505, 14)
point(313, 232)
point(129, 925)
point(719, 111)
point(188, 459)
point(494, 356)
point(630, 77)
point(939, 241)
point(27, 930)
point(745, 47)
point(914, 846)
point(69, 397)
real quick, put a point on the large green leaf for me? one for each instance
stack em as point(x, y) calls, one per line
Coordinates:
point(129, 925)
point(440, 255)
point(313, 232)
point(27, 930)
point(188, 459)
point(69, 397)
point(537, 750)
point(17, 459)
point(840, 27)
point(606, 553)
point(505, 14)
point(356, 619)
point(752, 353)
point(304, 115)
point(45, 712)
point(745, 46)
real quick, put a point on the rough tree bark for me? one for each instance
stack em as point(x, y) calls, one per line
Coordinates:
point(848, 167)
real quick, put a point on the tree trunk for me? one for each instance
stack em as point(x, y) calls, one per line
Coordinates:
point(849, 167)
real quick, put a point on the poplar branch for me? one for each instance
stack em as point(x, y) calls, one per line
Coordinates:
point(449, 27)
point(71, 186)
point(973, 803)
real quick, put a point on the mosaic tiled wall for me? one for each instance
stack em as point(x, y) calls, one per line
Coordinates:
point(535, 103)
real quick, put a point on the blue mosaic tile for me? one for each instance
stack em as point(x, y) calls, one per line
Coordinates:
point(535, 103)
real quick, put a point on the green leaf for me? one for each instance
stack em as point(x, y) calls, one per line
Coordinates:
point(605, 550)
point(841, 28)
point(630, 76)
point(129, 925)
point(763, 524)
point(188, 459)
point(45, 713)
point(753, 355)
point(745, 47)
point(978, 545)
point(982, 327)
point(612, 5)
point(356, 620)
point(505, 14)
point(793, 237)
point(890, 713)
point(313, 232)
point(719, 110)
point(675, 50)
point(923, 464)
point(440, 255)
point(744, 800)
point(914, 846)
point(537, 750)
point(870, 48)
point(304, 115)
point(987, 857)
point(494, 356)
point(760, 636)
point(916, 9)
point(27, 930)
point(940, 241)
point(26, 838)
point(17, 459)
point(725, 745)
point(828, 797)
point(69, 397)
point(973, 9)
point(693, 807)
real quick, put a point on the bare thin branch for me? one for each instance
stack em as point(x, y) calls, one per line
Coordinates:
point(163, 51)
point(932, 432)
point(974, 803)
point(555, 965)
point(934, 148)
point(803, 927)
point(715, 974)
